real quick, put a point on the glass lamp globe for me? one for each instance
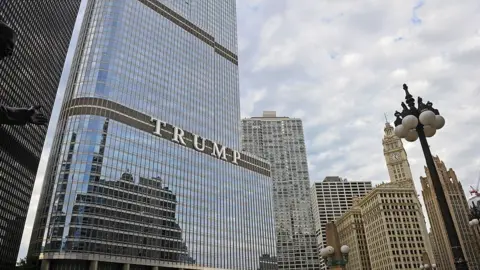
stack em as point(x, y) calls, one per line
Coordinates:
point(412, 136)
point(400, 131)
point(439, 121)
point(330, 250)
point(427, 118)
point(410, 122)
point(429, 131)
point(323, 252)
point(474, 222)
point(345, 249)
point(421, 266)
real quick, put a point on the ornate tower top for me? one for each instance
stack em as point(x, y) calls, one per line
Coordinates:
point(388, 130)
point(395, 155)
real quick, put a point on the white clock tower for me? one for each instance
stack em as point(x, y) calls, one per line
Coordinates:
point(395, 156)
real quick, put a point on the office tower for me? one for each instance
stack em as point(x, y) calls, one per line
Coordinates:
point(392, 212)
point(395, 156)
point(280, 140)
point(144, 171)
point(395, 229)
point(352, 233)
point(458, 207)
point(435, 249)
point(331, 198)
point(399, 171)
point(29, 77)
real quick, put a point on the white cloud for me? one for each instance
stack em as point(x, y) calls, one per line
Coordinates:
point(342, 65)
point(251, 99)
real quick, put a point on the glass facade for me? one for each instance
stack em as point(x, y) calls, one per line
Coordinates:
point(280, 140)
point(30, 76)
point(115, 192)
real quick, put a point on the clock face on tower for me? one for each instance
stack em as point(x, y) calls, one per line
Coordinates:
point(395, 156)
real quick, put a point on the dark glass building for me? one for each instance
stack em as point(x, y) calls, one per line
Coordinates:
point(144, 171)
point(31, 76)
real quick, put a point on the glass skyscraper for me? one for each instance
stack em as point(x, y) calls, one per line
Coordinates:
point(29, 77)
point(280, 140)
point(145, 171)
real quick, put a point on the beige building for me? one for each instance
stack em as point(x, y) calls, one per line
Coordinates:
point(458, 206)
point(352, 233)
point(393, 221)
point(435, 250)
point(331, 198)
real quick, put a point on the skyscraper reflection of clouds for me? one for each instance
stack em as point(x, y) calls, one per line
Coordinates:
point(116, 191)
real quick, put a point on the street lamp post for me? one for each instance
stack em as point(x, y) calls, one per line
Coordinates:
point(419, 123)
point(475, 210)
point(335, 255)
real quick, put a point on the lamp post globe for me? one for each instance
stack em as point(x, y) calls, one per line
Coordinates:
point(419, 122)
point(474, 222)
point(474, 204)
point(439, 121)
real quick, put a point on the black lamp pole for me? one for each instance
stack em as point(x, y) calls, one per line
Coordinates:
point(422, 122)
point(475, 213)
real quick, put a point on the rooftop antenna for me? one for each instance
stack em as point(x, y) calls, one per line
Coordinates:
point(386, 119)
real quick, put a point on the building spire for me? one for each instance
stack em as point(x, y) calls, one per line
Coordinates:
point(388, 127)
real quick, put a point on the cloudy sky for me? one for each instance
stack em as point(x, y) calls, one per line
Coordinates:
point(340, 64)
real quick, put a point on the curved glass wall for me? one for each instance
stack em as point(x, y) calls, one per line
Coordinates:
point(120, 191)
point(140, 56)
point(114, 191)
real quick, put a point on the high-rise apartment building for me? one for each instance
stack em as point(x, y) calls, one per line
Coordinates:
point(395, 229)
point(331, 198)
point(144, 171)
point(351, 232)
point(458, 207)
point(280, 140)
point(29, 77)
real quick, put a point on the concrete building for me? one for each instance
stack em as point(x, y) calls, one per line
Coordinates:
point(331, 198)
point(351, 232)
point(435, 249)
point(458, 206)
point(280, 140)
point(395, 229)
point(394, 226)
